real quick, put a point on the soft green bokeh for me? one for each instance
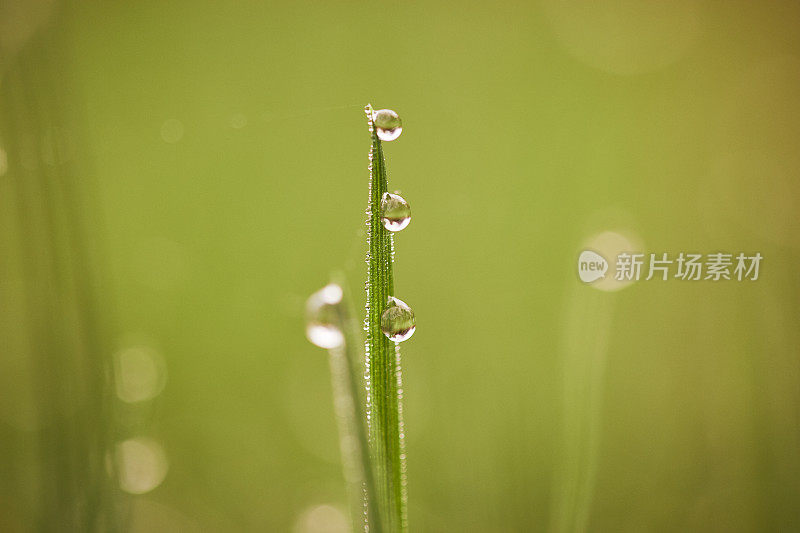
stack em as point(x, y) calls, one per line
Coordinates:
point(219, 154)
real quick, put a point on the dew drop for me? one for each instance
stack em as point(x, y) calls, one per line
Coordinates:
point(388, 125)
point(395, 212)
point(322, 317)
point(139, 374)
point(397, 321)
point(142, 465)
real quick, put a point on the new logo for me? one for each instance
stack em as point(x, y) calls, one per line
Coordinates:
point(591, 266)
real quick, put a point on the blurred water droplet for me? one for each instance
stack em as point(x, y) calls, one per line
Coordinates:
point(609, 244)
point(322, 519)
point(387, 124)
point(322, 317)
point(139, 374)
point(395, 212)
point(397, 321)
point(142, 465)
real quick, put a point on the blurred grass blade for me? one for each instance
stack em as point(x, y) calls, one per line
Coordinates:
point(331, 325)
point(384, 409)
point(53, 334)
point(584, 353)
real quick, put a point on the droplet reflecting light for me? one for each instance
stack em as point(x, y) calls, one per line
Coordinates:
point(388, 125)
point(397, 321)
point(395, 212)
point(322, 519)
point(322, 317)
point(142, 465)
point(140, 374)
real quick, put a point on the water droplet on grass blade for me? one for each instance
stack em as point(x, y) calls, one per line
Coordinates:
point(397, 321)
point(388, 125)
point(323, 317)
point(395, 212)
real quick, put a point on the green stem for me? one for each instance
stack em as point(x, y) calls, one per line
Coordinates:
point(384, 409)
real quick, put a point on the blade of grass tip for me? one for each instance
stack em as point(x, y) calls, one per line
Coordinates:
point(331, 325)
point(383, 372)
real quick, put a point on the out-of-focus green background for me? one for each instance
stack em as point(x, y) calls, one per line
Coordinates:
point(177, 177)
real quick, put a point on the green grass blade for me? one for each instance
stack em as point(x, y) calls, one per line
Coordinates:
point(331, 325)
point(384, 384)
